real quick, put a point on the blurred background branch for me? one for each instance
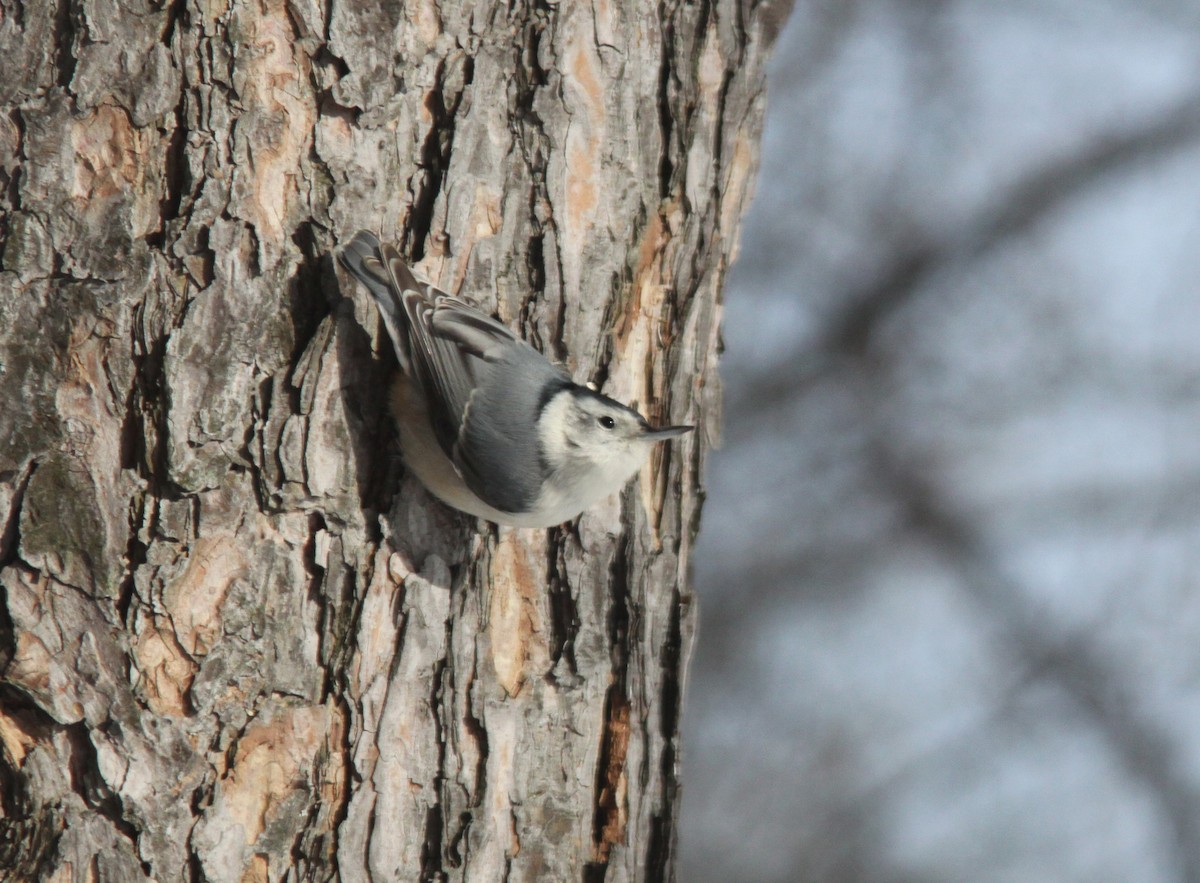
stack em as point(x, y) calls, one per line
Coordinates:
point(950, 626)
point(846, 333)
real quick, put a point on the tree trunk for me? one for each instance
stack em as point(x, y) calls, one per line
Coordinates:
point(237, 643)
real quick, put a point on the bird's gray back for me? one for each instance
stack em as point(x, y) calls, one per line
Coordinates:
point(498, 451)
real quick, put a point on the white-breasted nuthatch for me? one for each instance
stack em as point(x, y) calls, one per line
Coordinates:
point(486, 422)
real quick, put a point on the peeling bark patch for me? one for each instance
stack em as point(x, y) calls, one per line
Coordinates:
point(106, 153)
point(485, 221)
point(271, 763)
point(15, 738)
point(60, 668)
point(581, 187)
point(641, 335)
point(110, 163)
point(649, 269)
point(167, 650)
point(512, 614)
point(30, 667)
point(423, 16)
point(272, 81)
point(585, 136)
point(610, 799)
point(738, 190)
point(167, 671)
point(194, 600)
point(257, 871)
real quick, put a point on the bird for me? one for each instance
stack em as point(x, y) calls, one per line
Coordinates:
point(488, 424)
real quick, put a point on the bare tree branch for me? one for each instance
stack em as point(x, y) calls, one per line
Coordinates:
point(846, 335)
point(1143, 748)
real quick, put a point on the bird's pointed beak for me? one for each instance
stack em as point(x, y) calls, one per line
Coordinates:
point(665, 432)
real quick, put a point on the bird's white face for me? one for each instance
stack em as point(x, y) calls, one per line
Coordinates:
point(592, 446)
point(592, 443)
point(603, 428)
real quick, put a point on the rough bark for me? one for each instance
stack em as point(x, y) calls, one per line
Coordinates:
point(237, 643)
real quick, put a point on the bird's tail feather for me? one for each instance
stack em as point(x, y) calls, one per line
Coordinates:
point(363, 258)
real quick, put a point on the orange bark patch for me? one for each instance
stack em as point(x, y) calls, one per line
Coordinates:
point(272, 82)
point(193, 601)
point(582, 66)
point(107, 148)
point(737, 190)
point(256, 871)
point(111, 158)
point(512, 614)
point(268, 766)
point(167, 650)
point(643, 332)
point(30, 665)
point(167, 671)
point(585, 137)
point(484, 221)
point(611, 815)
point(649, 281)
point(581, 180)
point(423, 15)
point(16, 736)
point(332, 784)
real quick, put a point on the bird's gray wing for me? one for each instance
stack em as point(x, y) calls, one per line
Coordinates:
point(480, 335)
point(406, 305)
point(498, 449)
point(484, 387)
point(498, 452)
point(440, 367)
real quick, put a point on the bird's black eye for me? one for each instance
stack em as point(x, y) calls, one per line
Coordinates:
point(607, 422)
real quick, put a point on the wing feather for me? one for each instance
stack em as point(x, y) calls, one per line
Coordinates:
point(361, 257)
point(480, 335)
